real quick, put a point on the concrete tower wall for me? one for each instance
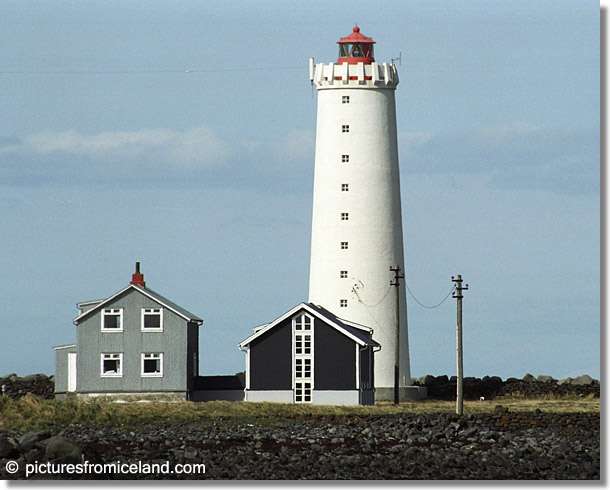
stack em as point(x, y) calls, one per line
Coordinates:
point(357, 201)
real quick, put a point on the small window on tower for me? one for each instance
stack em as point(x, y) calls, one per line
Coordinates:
point(343, 303)
point(345, 128)
point(344, 158)
point(343, 245)
point(344, 187)
point(345, 99)
point(343, 274)
point(344, 216)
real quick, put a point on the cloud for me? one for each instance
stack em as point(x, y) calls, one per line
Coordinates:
point(516, 156)
point(153, 157)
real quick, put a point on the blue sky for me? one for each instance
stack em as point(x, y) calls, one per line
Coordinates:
point(181, 135)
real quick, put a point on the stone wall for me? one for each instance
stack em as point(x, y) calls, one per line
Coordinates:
point(490, 387)
point(36, 384)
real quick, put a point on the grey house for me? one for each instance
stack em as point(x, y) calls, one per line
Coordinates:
point(308, 355)
point(134, 344)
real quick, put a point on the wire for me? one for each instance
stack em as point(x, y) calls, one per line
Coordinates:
point(429, 307)
point(355, 291)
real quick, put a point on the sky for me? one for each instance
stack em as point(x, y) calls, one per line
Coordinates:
point(181, 135)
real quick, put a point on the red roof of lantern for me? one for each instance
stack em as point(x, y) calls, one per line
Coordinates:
point(366, 45)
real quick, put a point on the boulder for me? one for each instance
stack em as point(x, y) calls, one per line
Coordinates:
point(61, 450)
point(585, 379)
point(7, 449)
point(529, 378)
point(543, 378)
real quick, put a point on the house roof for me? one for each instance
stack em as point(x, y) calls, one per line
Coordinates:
point(166, 303)
point(358, 333)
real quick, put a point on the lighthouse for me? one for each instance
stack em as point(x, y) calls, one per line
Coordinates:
point(356, 222)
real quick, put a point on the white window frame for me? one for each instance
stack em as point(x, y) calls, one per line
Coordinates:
point(344, 158)
point(344, 245)
point(303, 361)
point(342, 274)
point(152, 311)
point(111, 356)
point(344, 187)
point(345, 128)
point(345, 99)
point(146, 356)
point(112, 312)
point(344, 216)
point(342, 303)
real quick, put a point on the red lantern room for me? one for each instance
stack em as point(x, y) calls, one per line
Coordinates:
point(356, 48)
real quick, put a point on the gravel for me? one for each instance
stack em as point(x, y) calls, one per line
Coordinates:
point(503, 445)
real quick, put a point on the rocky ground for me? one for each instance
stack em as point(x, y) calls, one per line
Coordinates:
point(502, 445)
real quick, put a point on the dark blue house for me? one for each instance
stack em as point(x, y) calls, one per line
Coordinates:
point(308, 355)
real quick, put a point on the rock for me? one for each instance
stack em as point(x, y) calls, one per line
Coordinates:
point(61, 450)
point(545, 379)
point(529, 378)
point(28, 440)
point(585, 379)
point(7, 449)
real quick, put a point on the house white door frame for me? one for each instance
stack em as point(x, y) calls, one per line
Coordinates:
point(71, 371)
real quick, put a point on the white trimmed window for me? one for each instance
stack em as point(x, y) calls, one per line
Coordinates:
point(344, 187)
point(344, 158)
point(343, 303)
point(302, 344)
point(344, 245)
point(112, 320)
point(112, 365)
point(302, 357)
point(345, 99)
point(152, 364)
point(302, 392)
point(303, 322)
point(152, 319)
point(345, 128)
point(343, 274)
point(344, 216)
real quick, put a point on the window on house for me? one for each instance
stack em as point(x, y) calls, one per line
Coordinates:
point(195, 365)
point(345, 128)
point(343, 303)
point(152, 319)
point(344, 158)
point(152, 364)
point(343, 274)
point(302, 368)
point(112, 320)
point(302, 392)
point(345, 99)
point(112, 365)
point(344, 187)
point(302, 344)
point(344, 245)
point(303, 322)
point(344, 216)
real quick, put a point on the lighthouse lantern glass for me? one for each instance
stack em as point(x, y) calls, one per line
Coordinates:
point(355, 50)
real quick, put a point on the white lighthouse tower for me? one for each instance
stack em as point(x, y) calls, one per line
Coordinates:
point(357, 223)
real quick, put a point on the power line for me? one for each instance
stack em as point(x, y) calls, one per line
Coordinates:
point(425, 306)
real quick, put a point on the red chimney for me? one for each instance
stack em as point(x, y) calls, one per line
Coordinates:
point(137, 278)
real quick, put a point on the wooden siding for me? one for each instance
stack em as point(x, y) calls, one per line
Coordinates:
point(334, 359)
point(271, 359)
point(132, 342)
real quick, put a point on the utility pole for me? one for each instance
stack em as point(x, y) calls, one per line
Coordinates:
point(396, 283)
point(457, 294)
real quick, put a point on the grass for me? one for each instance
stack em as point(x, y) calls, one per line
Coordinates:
point(32, 412)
